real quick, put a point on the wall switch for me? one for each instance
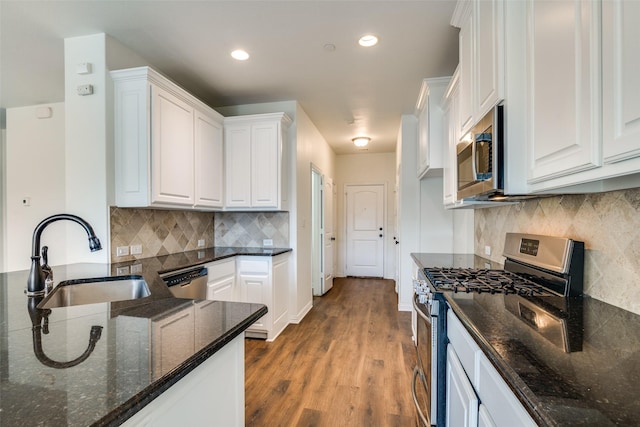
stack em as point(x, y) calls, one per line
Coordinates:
point(136, 249)
point(487, 250)
point(200, 243)
point(267, 242)
point(122, 251)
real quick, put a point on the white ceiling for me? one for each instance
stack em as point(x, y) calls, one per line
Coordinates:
point(348, 92)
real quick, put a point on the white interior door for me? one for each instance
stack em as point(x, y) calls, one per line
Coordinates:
point(365, 233)
point(317, 233)
point(329, 232)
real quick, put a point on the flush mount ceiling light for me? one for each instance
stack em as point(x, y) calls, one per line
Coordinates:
point(361, 141)
point(240, 55)
point(368, 40)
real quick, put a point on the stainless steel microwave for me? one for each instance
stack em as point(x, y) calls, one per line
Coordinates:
point(479, 154)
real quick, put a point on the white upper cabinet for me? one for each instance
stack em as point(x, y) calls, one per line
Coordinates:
point(488, 20)
point(621, 79)
point(209, 161)
point(255, 161)
point(563, 88)
point(449, 172)
point(171, 149)
point(431, 136)
point(583, 131)
point(481, 55)
point(168, 144)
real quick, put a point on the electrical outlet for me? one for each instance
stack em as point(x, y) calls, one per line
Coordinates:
point(487, 250)
point(122, 251)
point(122, 271)
point(136, 249)
point(200, 243)
point(267, 242)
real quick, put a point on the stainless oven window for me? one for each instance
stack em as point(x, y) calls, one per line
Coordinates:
point(423, 390)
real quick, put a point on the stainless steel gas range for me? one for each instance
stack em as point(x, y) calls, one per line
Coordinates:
point(541, 284)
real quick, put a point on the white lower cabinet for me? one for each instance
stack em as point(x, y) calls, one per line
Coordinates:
point(265, 280)
point(211, 394)
point(484, 419)
point(476, 393)
point(221, 280)
point(462, 402)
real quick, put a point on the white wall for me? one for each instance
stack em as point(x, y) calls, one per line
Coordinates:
point(374, 168)
point(408, 207)
point(436, 223)
point(311, 148)
point(3, 192)
point(35, 168)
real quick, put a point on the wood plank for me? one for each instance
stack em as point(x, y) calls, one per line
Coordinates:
point(348, 363)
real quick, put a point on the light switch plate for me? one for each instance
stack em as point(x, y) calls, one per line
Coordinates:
point(200, 243)
point(267, 242)
point(136, 249)
point(122, 251)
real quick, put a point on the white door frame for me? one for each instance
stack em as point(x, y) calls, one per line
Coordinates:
point(317, 232)
point(384, 221)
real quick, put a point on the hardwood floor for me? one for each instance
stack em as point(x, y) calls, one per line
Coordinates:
point(348, 363)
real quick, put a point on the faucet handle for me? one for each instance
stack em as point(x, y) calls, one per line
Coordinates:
point(45, 257)
point(46, 269)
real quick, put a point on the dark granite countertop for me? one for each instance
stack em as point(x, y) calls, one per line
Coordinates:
point(595, 384)
point(117, 378)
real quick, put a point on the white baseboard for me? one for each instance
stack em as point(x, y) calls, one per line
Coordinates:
point(298, 318)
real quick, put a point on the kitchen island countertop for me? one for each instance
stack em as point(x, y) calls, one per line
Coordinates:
point(596, 384)
point(118, 376)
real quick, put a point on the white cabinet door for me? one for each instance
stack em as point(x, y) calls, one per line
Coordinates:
point(563, 88)
point(431, 137)
point(450, 125)
point(466, 65)
point(222, 290)
point(238, 166)
point(488, 19)
point(208, 162)
point(462, 402)
point(172, 341)
point(265, 164)
point(484, 419)
point(621, 79)
point(171, 149)
point(280, 293)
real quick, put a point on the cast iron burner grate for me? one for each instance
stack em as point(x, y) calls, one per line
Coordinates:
point(483, 280)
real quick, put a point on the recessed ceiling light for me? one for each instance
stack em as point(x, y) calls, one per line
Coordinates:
point(361, 141)
point(240, 55)
point(368, 40)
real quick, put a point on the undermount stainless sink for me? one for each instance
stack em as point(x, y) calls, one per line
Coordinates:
point(96, 290)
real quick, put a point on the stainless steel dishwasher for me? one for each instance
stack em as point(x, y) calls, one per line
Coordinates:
point(188, 282)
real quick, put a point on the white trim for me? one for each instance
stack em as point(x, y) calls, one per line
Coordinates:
point(298, 317)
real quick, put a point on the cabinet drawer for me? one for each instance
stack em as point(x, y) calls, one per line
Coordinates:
point(221, 269)
point(505, 409)
point(466, 348)
point(253, 266)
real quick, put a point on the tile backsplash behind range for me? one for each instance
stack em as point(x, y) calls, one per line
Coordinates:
point(160, 232)
point(608, 223)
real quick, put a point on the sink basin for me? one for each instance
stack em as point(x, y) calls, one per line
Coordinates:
point(96, 290)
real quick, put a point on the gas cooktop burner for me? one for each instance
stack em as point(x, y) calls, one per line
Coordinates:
point(483, 280)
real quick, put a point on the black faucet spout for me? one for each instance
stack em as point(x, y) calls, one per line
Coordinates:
point(36, 280)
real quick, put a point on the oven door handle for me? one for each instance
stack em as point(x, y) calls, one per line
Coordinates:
point(416, 373)
point(420, 313)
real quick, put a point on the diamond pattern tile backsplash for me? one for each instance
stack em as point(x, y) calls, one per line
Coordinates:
point(160, 232)
point(249, 229)
point(608, 224)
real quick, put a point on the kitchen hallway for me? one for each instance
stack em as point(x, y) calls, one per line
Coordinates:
point(348, 363)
